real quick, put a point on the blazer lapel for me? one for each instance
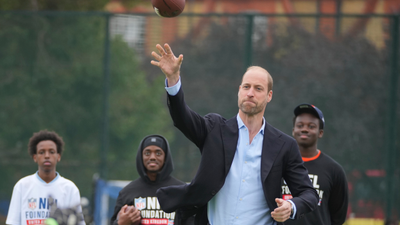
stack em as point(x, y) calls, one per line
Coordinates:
point(230, 136)
point(271, 147)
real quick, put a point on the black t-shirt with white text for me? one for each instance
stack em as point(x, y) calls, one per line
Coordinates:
point(329, 179)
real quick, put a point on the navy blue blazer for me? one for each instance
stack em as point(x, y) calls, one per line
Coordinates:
point(217, 140)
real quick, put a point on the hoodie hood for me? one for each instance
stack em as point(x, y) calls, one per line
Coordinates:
point(167, 168)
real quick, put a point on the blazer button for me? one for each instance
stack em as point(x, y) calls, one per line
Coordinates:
point(213, 193)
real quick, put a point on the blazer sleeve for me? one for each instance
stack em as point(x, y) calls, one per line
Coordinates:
point(191, 124)
point(305, 197)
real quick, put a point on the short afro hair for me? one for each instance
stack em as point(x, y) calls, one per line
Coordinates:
point(45, 135)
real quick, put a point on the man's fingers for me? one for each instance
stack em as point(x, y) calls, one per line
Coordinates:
point(156, 56)
point(135, 216)
point(131, 209)
point(160, 49)
point(168, 49)
point(167, 62)
point(122, 209)
point(281, 218)
point(282, 213)
point(155, 63)
point(279, 201)
point(283, 205)
point(180, 59)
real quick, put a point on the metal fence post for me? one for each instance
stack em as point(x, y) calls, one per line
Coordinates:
point(249, 42)
point(106, 89)
point(338, 17)
point(391, 119)
point(318, 17)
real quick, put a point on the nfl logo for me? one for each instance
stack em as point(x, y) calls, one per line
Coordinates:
point(140, 203)
point(32, 203)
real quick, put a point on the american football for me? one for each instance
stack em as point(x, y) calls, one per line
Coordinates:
point(168, 8)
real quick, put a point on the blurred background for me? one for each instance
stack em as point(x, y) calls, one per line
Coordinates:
point(82, 68)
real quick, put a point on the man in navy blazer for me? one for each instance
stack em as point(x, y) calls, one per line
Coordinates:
point(243, 158)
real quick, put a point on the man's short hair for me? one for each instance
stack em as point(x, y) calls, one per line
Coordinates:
point(270, 80)
point(45, 135)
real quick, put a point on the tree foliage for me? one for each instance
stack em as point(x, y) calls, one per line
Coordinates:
point(53, 78)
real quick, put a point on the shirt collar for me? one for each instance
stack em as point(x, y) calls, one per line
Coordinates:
point(41, 180)
point(241, 124)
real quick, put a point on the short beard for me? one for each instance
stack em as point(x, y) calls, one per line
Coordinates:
point(250, 112)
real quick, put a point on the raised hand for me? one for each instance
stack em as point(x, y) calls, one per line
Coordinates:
point(168, 63)
point(282, 213)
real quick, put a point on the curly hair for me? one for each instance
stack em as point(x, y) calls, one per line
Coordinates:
point(45, 135)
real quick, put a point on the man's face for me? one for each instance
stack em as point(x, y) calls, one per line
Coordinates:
point(153, 158)
point(46, 156)
point(306, 130)
point(253, 94)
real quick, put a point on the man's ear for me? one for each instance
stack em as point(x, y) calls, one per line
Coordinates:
point(59, 157)
point(34, 158)
point(269, 96)
point(321, 133)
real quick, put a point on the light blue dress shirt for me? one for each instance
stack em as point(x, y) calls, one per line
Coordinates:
point(242, 197)
point(241, 200)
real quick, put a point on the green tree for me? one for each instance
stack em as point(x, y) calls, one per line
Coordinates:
point(52, 78)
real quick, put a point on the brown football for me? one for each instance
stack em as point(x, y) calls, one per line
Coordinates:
point(168, 8)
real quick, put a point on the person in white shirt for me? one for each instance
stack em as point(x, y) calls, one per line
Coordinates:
point(30, 197)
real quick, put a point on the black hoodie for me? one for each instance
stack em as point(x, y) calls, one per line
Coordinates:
point(141, 192)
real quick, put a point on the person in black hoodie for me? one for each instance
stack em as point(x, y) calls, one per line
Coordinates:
point(137, 202)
